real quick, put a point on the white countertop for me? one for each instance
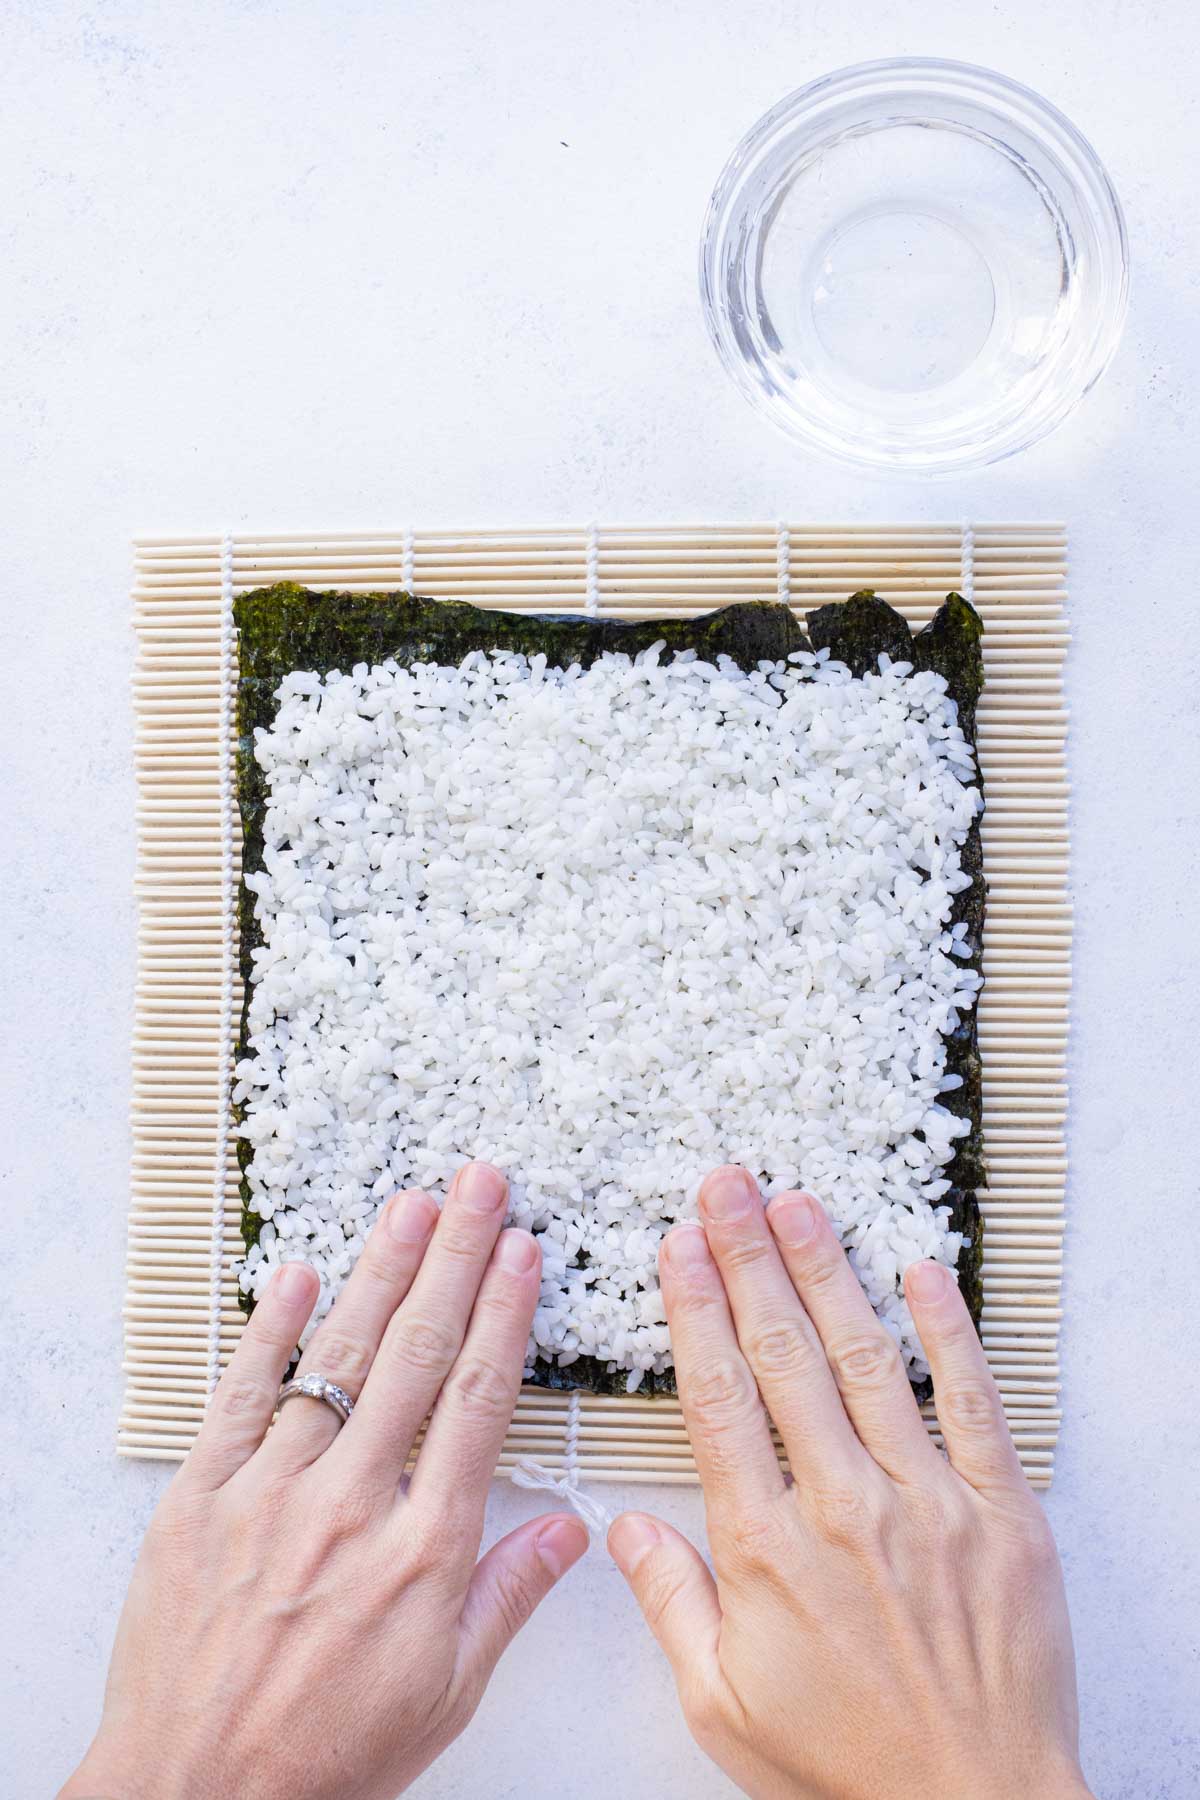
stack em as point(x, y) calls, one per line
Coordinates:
point(365, 264)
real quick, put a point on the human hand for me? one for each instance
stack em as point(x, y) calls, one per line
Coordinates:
point(892, 1624)
point(299, 1624)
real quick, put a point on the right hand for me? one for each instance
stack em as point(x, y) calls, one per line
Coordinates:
point(892, 1625)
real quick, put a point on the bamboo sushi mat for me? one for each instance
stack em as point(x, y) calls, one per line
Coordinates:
point(181, 1315)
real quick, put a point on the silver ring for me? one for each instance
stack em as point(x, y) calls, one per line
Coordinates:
point(316, 1387)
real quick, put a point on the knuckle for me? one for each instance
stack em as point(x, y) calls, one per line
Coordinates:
point(825, 1268)
point(721, 1393)
point(753, 1541)
point(175, 1522)
point(744, 1252)
point(846, 1516)
point(704, 1713)
point(383, 1268)
point(459, 1242)
point(783, 1348)
point(423, 1345)
point(697, 1298)
point(346, 1359)
point(269, 1331)
point(425, 1555)
point(514, 1597)
point(460, 1702)
point(269, 1502)
point(1040, 1547)
point(165, 1539)
point(866, 1361)
point(1033, 1541)
point(241, 1397)
point(969, 1406)
point(346, 1513)
point(936, 1516)
point(661, 1586)
point(700, 1713)
point(498, 1305)
point(252, 1509)
point(481, 1390)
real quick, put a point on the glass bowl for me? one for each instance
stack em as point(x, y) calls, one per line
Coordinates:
point(914, 265)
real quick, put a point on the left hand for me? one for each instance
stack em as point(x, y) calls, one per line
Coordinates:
point(300, 1623)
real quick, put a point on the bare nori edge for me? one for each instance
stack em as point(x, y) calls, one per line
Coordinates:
point(287, 627)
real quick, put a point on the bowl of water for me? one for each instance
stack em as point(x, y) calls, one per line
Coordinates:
point(915, 265)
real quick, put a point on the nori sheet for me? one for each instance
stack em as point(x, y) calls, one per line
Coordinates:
point(288, 627)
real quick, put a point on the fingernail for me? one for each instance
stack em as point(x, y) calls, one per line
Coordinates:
point(686, 1246)
point(516, 1251)
point(481, 1187)
point(632, 1537)
point(727, 1194)
point(793, 1220)
point(927, 1281)
point(560, 1544)
point(294, 1281)
point(410, 1216)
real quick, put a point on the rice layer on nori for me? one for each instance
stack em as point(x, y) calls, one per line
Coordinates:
point(287, 628)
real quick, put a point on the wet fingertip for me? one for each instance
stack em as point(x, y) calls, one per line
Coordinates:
point(296, 1281)
point(517, 1251)
point(481, 1187)
point(685, 1246)
point(927, 1282)
point(410, 1216)
point(789, 1194)
point(794, 1217)
point(728, 1193)
point(632, 1536)
point(561, 1542)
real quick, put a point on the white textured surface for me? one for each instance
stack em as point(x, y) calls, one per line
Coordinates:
point(345, 265)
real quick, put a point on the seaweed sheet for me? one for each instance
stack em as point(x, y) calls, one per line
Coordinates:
point(287, 627)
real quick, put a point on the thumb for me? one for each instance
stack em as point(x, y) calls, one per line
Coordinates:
point(673, 1587)
point(511, 1582)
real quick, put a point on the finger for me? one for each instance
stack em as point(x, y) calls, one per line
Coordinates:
point(731, 1441)
point(243, 1403)
point(345, 1343)
point(776, 1335)
point(426, 1332)
point(508, 1585)
point(475, 1407)
point(864, 1357)
point(971, 1417)
point(674, 1589)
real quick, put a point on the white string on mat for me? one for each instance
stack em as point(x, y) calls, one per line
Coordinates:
point(530, 1474)
point(408, 560)
point(783, 563)
point(967, 559)
point(591, 598)
point(225, 1011)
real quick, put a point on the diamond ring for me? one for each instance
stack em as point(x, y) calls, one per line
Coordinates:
point(316, 1387)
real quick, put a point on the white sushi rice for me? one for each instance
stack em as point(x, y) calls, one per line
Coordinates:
point(607, 930)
